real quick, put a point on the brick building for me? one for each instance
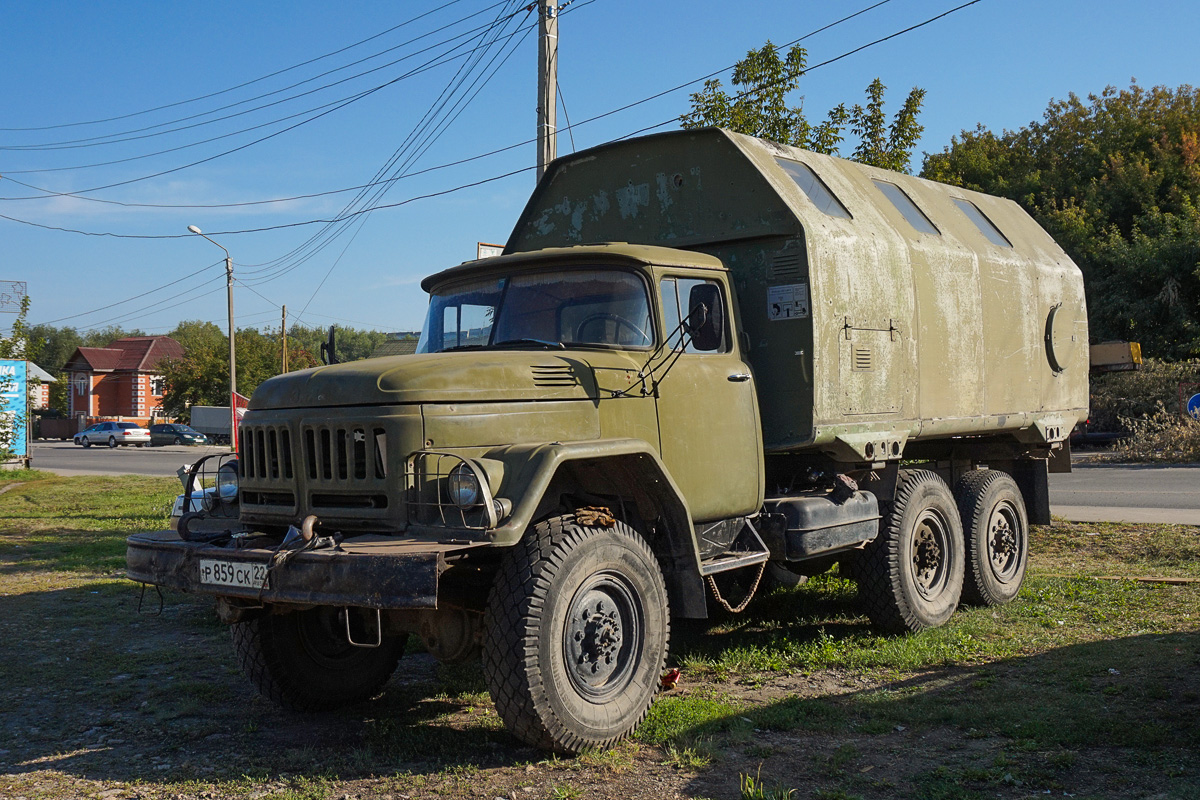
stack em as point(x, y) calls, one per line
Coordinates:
point(120, 380)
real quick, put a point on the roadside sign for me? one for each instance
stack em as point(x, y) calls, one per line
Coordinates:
point(14, 401)
point(1193, 406)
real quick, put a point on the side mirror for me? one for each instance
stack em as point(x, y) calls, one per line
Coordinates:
point(706, 317)
point(328, 355)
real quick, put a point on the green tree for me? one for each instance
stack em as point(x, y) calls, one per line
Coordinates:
point(1115, 179)
point(761, 109)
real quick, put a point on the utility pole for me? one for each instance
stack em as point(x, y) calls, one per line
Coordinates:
point(547, 112)
point(283, 330)
point(232, 335)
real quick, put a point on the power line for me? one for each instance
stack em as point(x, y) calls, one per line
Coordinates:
point(249, 82)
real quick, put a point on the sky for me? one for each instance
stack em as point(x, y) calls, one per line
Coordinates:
point(122, 123)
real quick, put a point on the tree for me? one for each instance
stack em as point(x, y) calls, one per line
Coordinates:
point(761, 109)
point(1115, 179)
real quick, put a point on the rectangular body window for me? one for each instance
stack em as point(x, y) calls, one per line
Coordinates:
point(981, 221)
point(814, 188)
point(907, 207)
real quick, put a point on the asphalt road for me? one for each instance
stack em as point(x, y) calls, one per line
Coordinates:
point(1091, 493)
point(1127, 493)
point(65, 458)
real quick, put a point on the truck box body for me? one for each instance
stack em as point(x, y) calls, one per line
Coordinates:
point(865, 331)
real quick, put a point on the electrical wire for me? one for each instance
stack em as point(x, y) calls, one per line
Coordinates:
point(431, 64)
point(249, 82)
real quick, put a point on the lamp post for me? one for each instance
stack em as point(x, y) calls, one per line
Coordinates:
point(232, 360)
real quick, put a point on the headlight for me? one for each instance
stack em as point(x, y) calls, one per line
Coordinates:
point(227, 482)
point(463, 486)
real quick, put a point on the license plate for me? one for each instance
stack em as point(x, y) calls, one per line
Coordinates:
point(229, 573)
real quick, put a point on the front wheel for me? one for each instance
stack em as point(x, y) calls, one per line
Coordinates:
point(84, 441)
point(575, 635)
point(911, 577)
point(303, 661)
point(996, 530)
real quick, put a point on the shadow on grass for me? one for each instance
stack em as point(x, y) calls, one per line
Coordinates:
point(1102, 717)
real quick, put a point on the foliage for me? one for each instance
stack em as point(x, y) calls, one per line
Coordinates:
point(1138, 394)
point(201, 376)
point(1163, 436)
point(1115, 179)
point(761, 109)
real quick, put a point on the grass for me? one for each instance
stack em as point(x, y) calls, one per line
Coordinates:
point(1049, 692)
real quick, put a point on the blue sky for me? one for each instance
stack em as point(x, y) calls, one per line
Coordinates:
point(996, 62)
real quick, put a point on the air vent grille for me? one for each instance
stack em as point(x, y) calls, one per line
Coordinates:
point(863, 360)
point(787, 265)
point(554, 375)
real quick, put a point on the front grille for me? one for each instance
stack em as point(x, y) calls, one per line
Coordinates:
point(265, 452)
point(345, 454)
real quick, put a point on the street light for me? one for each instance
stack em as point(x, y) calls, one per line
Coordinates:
point(232, 360)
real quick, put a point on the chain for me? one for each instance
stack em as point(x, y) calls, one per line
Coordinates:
point(712, 584)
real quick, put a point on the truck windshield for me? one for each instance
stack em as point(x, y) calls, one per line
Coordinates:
point(586, 307)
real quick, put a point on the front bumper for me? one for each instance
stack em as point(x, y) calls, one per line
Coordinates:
point(368, 571)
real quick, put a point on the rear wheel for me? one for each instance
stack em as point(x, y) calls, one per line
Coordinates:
point(996, 529)
point(575, 635)
point(911, 577)
point(112, 441)
point(303, 660)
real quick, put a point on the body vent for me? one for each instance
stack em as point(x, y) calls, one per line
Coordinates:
point(554, 375)
point(863, 361)
point(787, 265)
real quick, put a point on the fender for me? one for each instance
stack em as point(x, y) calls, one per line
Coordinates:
point(534, 475)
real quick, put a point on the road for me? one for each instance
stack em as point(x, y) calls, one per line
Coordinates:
point(1092, 493)
point(65, 458)
point(1095, 492)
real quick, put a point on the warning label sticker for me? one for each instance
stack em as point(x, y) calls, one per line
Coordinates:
point(787, 302)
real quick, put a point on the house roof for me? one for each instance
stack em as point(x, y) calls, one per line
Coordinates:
point(131, 354)
point(37, 372)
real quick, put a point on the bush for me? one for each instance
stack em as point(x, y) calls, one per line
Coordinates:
point(1119, 398)
point(1162, 436)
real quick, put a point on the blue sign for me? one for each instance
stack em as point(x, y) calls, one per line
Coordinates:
point(1193, 406)
point(14, 402)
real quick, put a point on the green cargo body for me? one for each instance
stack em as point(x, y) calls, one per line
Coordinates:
point(864, 331)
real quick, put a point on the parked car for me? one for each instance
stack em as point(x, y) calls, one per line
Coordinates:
point(113, 434)
point(174, 433)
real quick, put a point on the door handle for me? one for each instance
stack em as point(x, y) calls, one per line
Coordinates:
point(739, 377)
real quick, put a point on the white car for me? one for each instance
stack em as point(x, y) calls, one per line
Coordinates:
point(113, 434)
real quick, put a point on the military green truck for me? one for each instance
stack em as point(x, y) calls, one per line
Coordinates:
point(701, 356)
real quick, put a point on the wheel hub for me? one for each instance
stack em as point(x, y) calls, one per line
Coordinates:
point(1002, 544)
point(599, 642)
point(929, 556)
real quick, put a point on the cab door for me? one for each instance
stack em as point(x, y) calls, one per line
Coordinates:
point(707, 409)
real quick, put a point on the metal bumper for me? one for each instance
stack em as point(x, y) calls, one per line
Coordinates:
point(364, 571)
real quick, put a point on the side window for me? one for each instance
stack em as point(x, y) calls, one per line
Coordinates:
point(814, 188)
point(675, 294)
point(985, 225)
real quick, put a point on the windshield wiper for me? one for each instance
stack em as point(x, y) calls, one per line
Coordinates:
point(520, 342)
point(462, 347)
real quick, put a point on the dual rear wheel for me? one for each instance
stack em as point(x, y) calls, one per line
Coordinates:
point(937, 548)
